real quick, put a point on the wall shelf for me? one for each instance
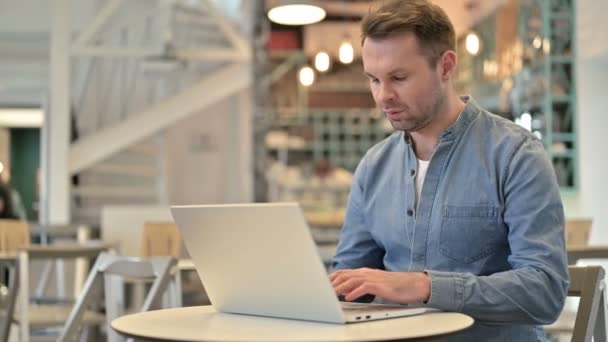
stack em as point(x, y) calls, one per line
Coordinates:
point(553, 67)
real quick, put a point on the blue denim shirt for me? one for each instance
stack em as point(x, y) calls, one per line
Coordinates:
point(488, 230)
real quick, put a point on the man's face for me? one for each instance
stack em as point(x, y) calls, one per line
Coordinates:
point(405, 86)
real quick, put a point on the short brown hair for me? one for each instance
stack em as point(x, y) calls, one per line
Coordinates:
point(426, 20)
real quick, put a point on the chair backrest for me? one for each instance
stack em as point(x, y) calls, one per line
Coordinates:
point(587, 282)
point(46, 252)
point(14, 234)
point(576, 253)
point(161, 239)
point(578, 231)
point(103, 277)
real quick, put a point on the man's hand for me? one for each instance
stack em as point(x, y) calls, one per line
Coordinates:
point(399, 287)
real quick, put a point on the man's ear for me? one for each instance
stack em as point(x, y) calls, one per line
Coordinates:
point(447, 64)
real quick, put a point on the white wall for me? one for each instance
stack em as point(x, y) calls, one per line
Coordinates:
point(209, 154)
point(593, 157)
point(592, 118)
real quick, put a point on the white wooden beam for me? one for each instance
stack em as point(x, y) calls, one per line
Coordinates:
point(138, 191)
point(235, 37)
point(211, 55)
point(212, 88)
point(100, 19)
point(292, 62)
point(55, 187)
point(111, 51)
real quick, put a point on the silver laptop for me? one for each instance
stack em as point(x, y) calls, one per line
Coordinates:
point(260, 259)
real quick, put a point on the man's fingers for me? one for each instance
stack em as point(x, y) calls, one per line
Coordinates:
point(355, 293)
point(354, 283)
point(338, 273)
point(337, 280)
point(361, 290)
point(341, 277)
point(347, 286)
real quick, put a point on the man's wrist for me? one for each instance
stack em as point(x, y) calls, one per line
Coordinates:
point(425, 287)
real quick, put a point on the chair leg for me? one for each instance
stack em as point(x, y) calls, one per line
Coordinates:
point(138, 294)
point(172, 297)
point(599, 332)
point(83, 234)
point(60, 278)
point(114, 288)
point(154, 297)
point(91, 290)
point(24, 297)
point(13, 285)
point(44, 279)
point(177, 291)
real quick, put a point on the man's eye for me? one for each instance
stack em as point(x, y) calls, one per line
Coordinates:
point(374, 80)
point(399, 79)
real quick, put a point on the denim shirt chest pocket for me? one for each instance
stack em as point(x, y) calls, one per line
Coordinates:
point(470, 233)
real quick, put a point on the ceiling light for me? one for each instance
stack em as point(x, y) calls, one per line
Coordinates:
point(472, 43)
point(546, 46)
point(322, 61)
point(21, 117)
point(346, 54)
point(290, 12)
point(306, 76)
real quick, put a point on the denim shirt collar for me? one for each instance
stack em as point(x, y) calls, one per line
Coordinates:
point(469, 113)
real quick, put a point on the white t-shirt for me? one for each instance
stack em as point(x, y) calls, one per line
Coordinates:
point(423, 165)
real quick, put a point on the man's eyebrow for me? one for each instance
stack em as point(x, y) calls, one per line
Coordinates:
point(392, 72)
point(396, 71)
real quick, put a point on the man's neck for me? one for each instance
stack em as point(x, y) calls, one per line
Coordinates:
point(427, 139)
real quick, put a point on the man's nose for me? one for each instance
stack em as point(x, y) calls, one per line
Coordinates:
point(385, 93)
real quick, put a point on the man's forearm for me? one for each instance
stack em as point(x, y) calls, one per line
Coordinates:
point(523, 296)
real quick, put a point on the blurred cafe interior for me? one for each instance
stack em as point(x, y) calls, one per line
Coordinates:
point(113, 110)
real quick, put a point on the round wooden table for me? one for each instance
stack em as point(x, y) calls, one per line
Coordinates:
point(203, 323)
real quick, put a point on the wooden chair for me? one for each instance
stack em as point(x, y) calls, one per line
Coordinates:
point(14, 234)
point(589, 321)
point(15, 243)
point(576, 253)
point(161, 239)
point(587, 282)
point(578, 232)
point(9, 265)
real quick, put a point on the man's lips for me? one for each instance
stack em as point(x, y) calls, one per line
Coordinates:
point(393, 113)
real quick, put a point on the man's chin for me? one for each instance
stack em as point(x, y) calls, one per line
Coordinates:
point(403, 126)
point(410, 126)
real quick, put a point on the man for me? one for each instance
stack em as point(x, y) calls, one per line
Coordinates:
point(458, 209)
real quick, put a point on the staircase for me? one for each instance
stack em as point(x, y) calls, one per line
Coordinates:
point(132, 176)
point(131, 80)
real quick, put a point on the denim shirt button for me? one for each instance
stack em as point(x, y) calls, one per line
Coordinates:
point(410, 212)
point(412, 172)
